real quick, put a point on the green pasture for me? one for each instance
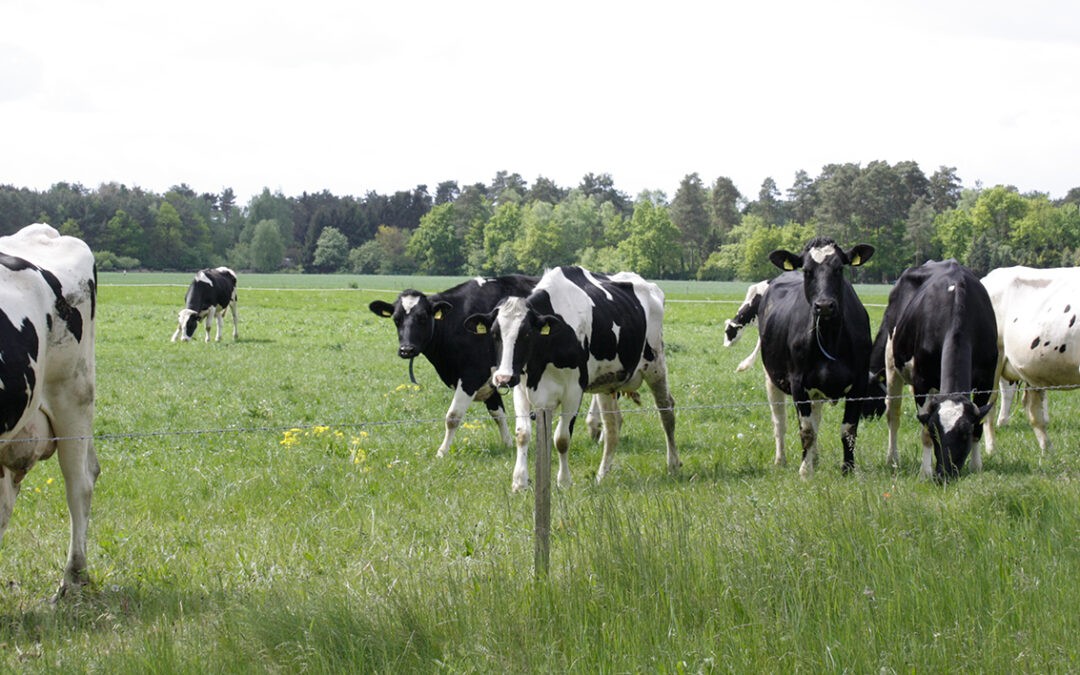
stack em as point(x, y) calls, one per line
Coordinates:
point(274, 505)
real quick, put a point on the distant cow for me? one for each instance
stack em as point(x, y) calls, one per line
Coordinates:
point(815, 344)
point(939, 335)
point(745, 316)
point(433, 325)
point(48, 289)
point(578, 332)
point(1038, 335)
point(209, 295)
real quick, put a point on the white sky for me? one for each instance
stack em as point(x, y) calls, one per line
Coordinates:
point(385, 95)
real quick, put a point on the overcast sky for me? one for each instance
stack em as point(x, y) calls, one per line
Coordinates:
point(384, 96)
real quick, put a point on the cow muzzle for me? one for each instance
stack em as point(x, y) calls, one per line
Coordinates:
point(824, 309)
point(408, 351)
point(504, 380)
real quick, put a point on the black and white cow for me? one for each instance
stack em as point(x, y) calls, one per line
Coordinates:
point(434, 325)
point(48, 295)
point(746, 316)
point(1038, 337)
point(578, 332)
point(209, 295)
point(815, 344)
point(939, 335)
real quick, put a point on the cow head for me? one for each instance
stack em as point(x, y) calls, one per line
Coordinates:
point(822, 262)
point(516, 329)
point(416, 318)
point(189, 321)
point(955, 425)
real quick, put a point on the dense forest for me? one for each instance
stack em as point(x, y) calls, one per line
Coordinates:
point(702, 232)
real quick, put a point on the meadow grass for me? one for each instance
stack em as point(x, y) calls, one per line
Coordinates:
point(274, 504)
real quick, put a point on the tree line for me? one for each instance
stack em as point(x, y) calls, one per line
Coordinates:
point(702, 232)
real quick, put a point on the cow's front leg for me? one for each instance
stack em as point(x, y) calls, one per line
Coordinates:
point(1038, 414)
point(777, 401)
point(849, 432)
point(927, 468)
point(522, 429)
point(220, 316)
point(894, 389)
point(497, 411)
point(458, 407)
point(809, 419)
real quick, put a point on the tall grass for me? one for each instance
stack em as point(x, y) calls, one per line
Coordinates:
point(308, 527)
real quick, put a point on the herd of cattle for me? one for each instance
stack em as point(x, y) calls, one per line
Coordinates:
point(552, 339)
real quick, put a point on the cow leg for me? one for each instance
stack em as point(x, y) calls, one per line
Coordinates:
point(609, 414)
point(522, 429)
point(894, 390)
point(458, 406)
point(1038, 412)
point(498, 413)
point(220, 316)
point(562, 444)
point(809, 420)
point(80, 468)
point(209, 320)
point(593, 421)
point(849, 432)
point(777, 400)
point(1008, 392)
point(665, 402)
point(235, 320)
point(927, 469)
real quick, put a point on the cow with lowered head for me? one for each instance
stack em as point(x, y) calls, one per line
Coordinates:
point(815, 344)
point(433, 325)
point(745, 316)
point(209, 295)
point(939, 335)
point(48, 295)
point(578, 332)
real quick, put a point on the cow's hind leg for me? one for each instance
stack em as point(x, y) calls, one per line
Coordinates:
point(777, 406)
point(1037, 406)
point(497, 411)
point(665, 403)
point(458, 406)
point(235, 321)
point(80, 468)
point(609, 414)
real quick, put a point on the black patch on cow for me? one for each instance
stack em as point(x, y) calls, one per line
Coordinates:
point(64, 310)
point(1035, 342)
point(1068, 308)
point(1061, 349)
point(18, 351)
point(1072, 321)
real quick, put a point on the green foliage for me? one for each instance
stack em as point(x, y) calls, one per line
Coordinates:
point(332, 251)
point(107, 261)
point(435, 245)
point(267, 248)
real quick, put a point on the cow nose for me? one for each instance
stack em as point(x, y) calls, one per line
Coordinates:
point(407, 351)
point(824, 308)
point(501, 379)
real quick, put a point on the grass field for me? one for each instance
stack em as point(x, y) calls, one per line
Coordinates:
point(274, 504)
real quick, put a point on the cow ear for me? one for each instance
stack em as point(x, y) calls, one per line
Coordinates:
point(478, 324)
point(982, 412)
point(923, 417)
point(440, 307)
point(381, 308)
point(859, 254)
point(785, 260)
point(550, 323)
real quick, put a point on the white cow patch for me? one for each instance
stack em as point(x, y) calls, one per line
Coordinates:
point(511, 317)
point(951, 288)
point(820, 253)
point(950, 413)
point(200, 276)
point(409, 302)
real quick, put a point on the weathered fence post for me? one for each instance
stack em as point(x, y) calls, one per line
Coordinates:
point(543, 492)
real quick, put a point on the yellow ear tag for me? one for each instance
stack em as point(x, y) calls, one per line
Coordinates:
point(387, 314)
point(481, 329)
point(438, 315)
point(856, 261)
point(546, 330)
point(788, 266)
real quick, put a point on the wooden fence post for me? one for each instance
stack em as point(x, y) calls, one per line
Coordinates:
point(543, 492)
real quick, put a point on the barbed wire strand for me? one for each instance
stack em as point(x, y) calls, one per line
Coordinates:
point(140, 435)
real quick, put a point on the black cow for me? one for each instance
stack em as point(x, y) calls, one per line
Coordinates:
point(580, 332)
point(815, 343)
point(939, 334)
point(209, 295)
point(433, 325)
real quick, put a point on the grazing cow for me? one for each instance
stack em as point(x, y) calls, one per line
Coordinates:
point(209, 295)
point(433, 325)
point(815, 344)
point(1038, 336)
point(48, 289)
point(745, 316)
point(580, 332)
point(939, 335)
